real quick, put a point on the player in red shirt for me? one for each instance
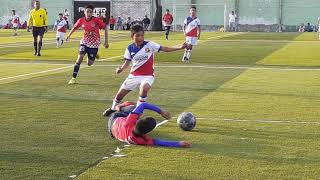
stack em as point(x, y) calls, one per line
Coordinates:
point(132, 130)
point(112, 22)
point(90, 42)
point(167, 20)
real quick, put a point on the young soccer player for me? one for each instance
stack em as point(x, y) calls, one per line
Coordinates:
point(61, 26)
point(90, 42)
point(15, 22)
point(132, 130)
point(167, 20)
point(141, 55)
point(192, 32)
point(319, 27)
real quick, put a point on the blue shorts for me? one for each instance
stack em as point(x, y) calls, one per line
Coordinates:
point(92, 52)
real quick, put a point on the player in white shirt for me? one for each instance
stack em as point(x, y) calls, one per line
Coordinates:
point(141, 55)
point(61, 26)
point(232, 21)
point(319, 27)
point(192, 32)
point(15, 22)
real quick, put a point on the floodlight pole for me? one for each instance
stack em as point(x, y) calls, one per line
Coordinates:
point(280, 16)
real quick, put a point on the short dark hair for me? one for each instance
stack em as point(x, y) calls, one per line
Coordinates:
point(60, 14)
point(144, 126)
point(89, 6)
point(193, 7)
point(136, 28)
point(167, 10)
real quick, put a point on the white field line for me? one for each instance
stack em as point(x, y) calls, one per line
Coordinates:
point(258, 120)
point(47, 42)
point(35, 73)
point(46, 71)
point(184, 66)
point(227, 35)
point(161, 123)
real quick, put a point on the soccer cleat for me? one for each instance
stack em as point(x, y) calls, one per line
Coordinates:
point(108, 112)
point(185, 60)
point(38, 54)
point(35, 53)
point(72, 81)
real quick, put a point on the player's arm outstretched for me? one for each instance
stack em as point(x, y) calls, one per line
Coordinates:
point(171, 49)
point(123, 67)
point(165, 114)
point(199, 31)
point(71, 32)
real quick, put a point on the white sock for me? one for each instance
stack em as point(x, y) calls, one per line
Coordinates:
point(141, 100)
point(115, 103)
point(185, 54)
point(189, 54)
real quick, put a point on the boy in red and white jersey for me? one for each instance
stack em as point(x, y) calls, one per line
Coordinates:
point(61, 26)
point(141, 55)
point(15, 22)
point(192, 32)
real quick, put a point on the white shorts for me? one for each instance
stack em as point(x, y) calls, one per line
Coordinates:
point(133, 82)
point(192, 40)
point(60, 35)
point(15, 25)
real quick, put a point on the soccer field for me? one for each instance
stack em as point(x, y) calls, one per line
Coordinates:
point(256, 97)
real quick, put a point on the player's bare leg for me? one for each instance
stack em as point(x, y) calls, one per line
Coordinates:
point(116, 101)
point(143, 94)
point(58, 42)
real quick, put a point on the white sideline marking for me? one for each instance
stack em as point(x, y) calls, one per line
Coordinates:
point(30, 74)
point(46, 71)
point(46, 42)
point(182, 66)
point(161, 123)
point(227, 35)
point(259, 120)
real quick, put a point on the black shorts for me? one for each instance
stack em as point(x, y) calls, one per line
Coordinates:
point(112, 119)
point(38, 31)
point(92, 52)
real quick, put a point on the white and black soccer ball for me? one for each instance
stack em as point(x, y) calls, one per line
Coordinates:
point(186, 121)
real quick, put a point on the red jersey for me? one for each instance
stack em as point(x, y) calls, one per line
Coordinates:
point(167, 19)
point(122, 130)
point(112, 21)
point(91, 36)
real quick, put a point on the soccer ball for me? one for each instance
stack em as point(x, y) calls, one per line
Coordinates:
point(186, 121)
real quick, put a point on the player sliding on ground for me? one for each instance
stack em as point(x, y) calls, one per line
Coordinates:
point(192, 32)
point(90, 42)
point(141, 55)
point(132, 130)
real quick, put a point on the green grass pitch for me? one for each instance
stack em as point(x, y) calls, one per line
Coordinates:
point(256, 96)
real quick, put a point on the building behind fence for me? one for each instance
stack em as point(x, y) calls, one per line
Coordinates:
point(253, 15)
